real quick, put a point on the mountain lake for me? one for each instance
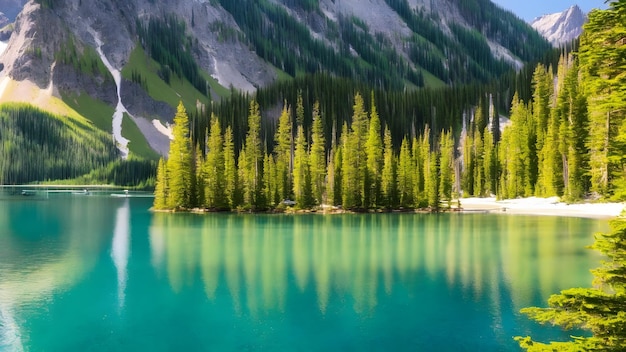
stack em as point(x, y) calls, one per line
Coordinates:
point(95, 272)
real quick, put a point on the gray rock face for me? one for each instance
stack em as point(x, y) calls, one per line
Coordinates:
point(561, 27)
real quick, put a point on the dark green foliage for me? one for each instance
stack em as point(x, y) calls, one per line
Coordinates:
point(513, 33)
point(133, 172)
point(403, 112)
point(38, 146)
point(166, 41)
point(84, 60)
point(468, 56)
point(288, 44)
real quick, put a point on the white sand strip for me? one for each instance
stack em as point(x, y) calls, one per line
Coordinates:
point(542, 206)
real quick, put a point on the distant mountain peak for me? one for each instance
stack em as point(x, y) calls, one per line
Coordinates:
point(561, 27)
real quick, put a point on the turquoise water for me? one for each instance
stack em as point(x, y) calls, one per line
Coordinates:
point(98, 273)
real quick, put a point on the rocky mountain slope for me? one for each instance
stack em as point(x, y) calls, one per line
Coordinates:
point(170, 50)
point(561, 27)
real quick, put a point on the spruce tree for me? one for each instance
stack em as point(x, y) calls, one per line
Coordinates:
point(446, 165)
point(214, 168)
point(490, 156)
point(269, 181)
point(422, 163)
point(374, 149)
point(350, 195)
point(405, 175)
point(578, 133)
point(602, 62)
point(283, 152)
point(230, 170)
point(318, 156)
point(431, 168)
point(252, 171)
point(388, 177)
point(199, 177)
point(469, 158)
point(180, 166)
point(160, 188)
point(301, 182)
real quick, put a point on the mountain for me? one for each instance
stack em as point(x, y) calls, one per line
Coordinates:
point(135, 60)
point(561, 27)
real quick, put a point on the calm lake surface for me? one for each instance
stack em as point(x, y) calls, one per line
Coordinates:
point(100, 273)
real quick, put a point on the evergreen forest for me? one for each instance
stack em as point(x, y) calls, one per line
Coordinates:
point(41, 147)
point(363, 149)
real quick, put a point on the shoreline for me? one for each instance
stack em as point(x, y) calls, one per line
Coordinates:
point(542, 206)
point(521, 206)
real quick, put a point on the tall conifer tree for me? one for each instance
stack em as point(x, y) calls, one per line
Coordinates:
point(318, 156)
point(180, 165)
point(374, 149)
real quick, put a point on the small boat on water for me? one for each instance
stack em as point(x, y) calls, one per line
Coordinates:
point(81, 193)
point(124, 195)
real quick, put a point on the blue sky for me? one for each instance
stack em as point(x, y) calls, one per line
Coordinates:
point(529, 9)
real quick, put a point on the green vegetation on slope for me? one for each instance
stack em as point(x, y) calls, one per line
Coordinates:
point(94, 110)
point(354, 51)
point(288, 44)
point(559, 138)
point(143, 68)
point(38, 146)
point(168, 44)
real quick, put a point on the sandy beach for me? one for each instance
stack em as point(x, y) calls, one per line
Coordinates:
point(542, 206)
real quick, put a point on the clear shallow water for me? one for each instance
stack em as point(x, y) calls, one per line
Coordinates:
point(101, 273)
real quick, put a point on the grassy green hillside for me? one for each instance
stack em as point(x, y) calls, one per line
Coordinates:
point(37, 146)
point(141, 67)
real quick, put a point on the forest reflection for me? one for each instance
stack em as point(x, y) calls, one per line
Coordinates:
point(262, 259)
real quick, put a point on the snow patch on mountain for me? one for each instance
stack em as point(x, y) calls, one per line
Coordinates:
point(561, 27)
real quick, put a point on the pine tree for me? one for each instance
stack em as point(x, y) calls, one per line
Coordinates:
point(431, 168)
point(160, 188)
point(374, 149)
point(577, 159)
point(318, 156)
point(231, 189)
point(469, 158)
point(350, 194)
point(422, 163)
point(301, 182)
point(269, 181)
point(602, 62)
point(490, 156)
point(478, 151)
point(199, 177)
point(358, 140)
point(405, 175)
point(283, 152)
point(336, 181)
point(243, 175)
point(252, 172)
point(388, 177)
point(446, 176)
point(515, 154)
point(543, 92)
point(180, 165)
point(214, 168)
